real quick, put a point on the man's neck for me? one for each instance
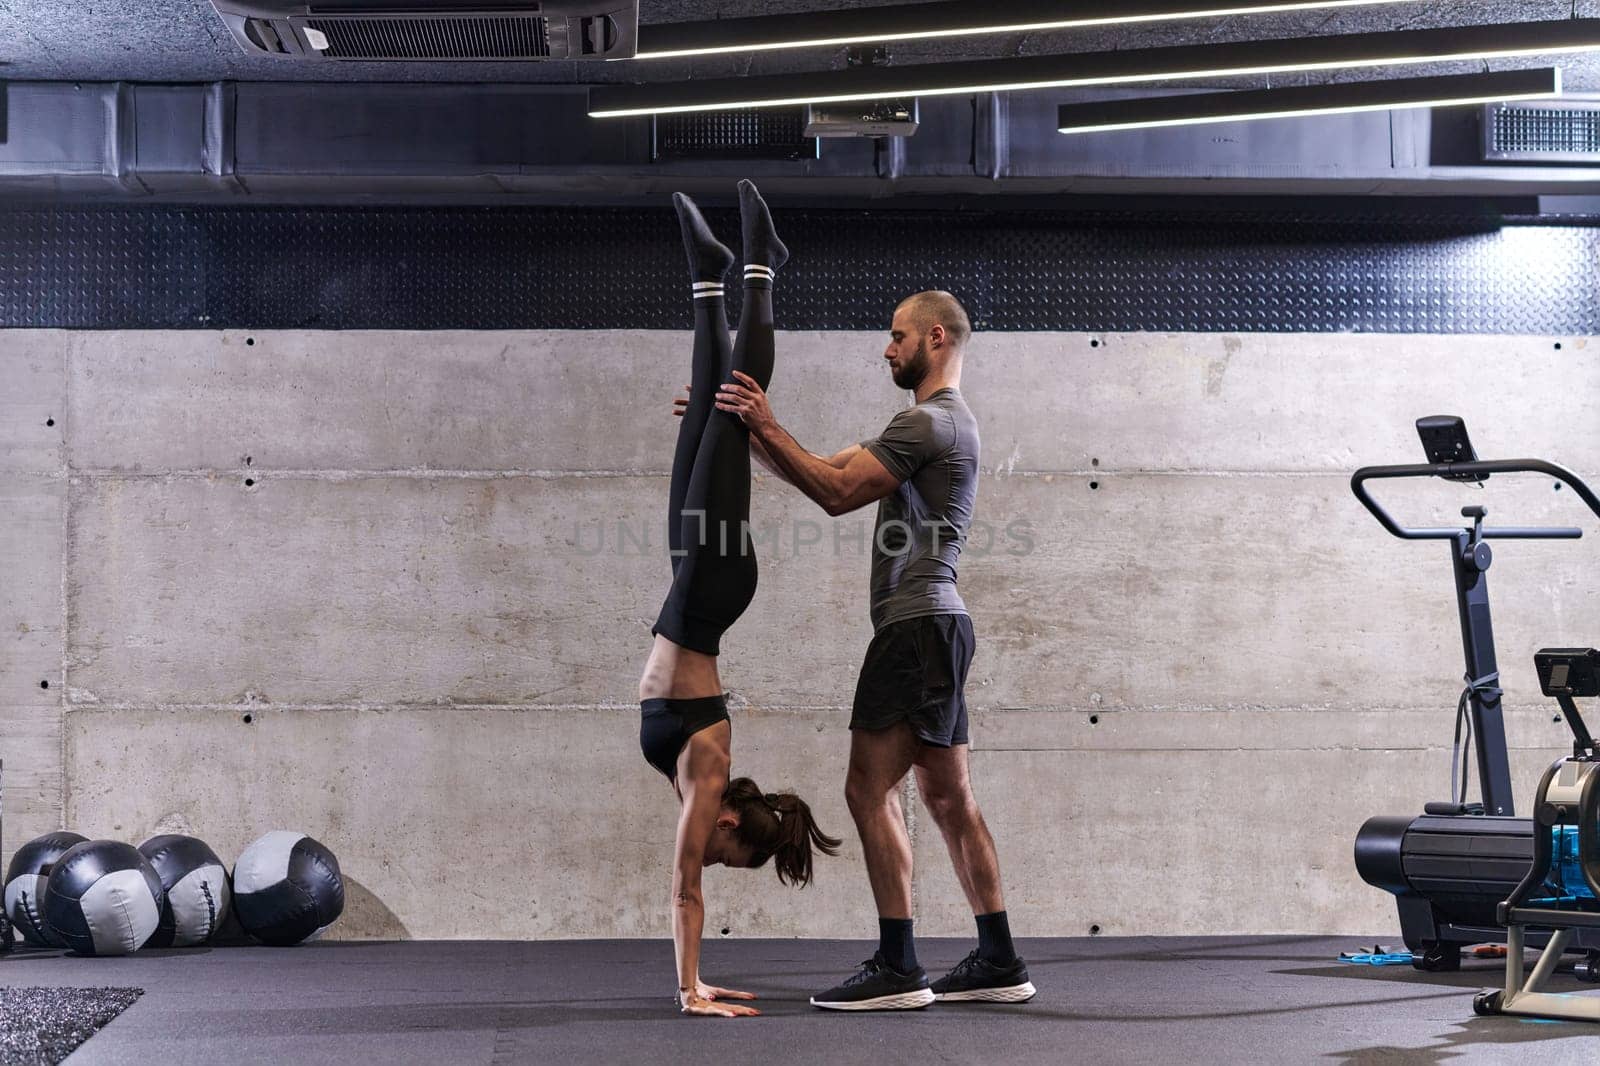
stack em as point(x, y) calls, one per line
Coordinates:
point(933, 385)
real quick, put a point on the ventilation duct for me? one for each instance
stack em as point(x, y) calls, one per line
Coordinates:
point(438, 30)
point(1565, 130)
point(752, 133)
point(317, 141)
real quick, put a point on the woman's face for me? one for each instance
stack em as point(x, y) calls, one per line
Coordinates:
point(724, 848)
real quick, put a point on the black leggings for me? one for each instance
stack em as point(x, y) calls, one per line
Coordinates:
point(708, 521)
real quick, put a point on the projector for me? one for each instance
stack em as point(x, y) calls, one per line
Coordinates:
point(873, 118)
point(433, 30)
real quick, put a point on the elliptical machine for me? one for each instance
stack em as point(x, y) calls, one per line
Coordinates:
point(1451, 868)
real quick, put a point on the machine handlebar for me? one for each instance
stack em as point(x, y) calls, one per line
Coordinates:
point(1468, 470)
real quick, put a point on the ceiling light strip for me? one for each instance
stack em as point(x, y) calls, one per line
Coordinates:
point(1303, 101)
point(951, 18)
point(1134, 66)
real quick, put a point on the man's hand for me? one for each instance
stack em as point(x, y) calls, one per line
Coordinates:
point(747, 400)
point(682, 402)
point(696, 1004)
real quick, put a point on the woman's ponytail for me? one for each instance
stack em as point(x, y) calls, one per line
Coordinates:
point(779, 826)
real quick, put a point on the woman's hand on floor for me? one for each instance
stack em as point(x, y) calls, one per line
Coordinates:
point(705, 991)
point(697, 1004)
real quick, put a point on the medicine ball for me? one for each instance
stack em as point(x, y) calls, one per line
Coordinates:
point(195, 884)
point(103, 898)
point(26, 878)
point(287, 888)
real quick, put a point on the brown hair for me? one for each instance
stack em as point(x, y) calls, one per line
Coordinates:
point(936, 307)
point(777, 826)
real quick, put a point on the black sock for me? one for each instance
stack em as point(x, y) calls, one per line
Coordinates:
point(894, 944)
point(709, 258)
point(994, 939)
point(762, 249)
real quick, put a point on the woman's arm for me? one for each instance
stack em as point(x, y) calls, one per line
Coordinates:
point(702, 787)
point(696, 822)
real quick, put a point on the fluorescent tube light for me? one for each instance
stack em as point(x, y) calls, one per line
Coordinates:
point(1345, 51)
point(1187, 110)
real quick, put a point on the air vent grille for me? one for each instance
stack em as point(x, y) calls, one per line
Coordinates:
point(750, 133)
point(1563, 131)
point(438, 37)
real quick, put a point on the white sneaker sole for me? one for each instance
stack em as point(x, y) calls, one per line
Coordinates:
point(922, 997)
point(1014, 994)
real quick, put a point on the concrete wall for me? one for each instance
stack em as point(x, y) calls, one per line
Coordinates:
point(371, 586)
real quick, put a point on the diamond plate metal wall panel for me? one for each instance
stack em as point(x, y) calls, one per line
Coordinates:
point(549, 268)
point(72, 268)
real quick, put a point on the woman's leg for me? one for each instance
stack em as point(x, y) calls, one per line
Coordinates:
point(673, 671)
point(754, 351)
point(709, 260)
point(716, 578)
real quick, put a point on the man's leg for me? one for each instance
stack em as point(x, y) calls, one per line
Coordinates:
point(879, 761)
point(992, 973)
point(945, 785)
point(892, 980)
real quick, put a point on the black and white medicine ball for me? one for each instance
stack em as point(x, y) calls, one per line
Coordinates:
point(287, 888)
point(26, 879)
point(195, 884)
point(104, 898)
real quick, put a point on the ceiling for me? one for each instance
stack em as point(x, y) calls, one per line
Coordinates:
point(184, 41)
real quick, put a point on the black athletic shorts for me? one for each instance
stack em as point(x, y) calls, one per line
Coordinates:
point(916, 672)
point(665, 726)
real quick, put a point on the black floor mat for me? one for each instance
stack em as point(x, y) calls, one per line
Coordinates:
point(44, 1025)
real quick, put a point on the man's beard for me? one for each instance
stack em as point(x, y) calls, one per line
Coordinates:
point(909, 374)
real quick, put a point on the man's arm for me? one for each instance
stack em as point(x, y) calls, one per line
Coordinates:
point(840, 484)
point(758, 451)
point(837, 489)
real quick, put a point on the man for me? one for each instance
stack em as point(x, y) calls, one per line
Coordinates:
point(910, 709)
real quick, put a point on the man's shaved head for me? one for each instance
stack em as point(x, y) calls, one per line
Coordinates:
point(934, 307)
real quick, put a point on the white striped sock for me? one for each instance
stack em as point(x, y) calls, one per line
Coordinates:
point(704, 290)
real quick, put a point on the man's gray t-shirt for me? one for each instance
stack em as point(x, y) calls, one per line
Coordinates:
point(933, 449)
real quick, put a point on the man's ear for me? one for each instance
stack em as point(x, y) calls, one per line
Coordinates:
point(936, 337)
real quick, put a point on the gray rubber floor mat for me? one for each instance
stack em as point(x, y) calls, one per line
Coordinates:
point(44, 1025)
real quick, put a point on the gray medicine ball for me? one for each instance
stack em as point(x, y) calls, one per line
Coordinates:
point(26, 880)
point(195, 887)
point(287, 888)
point(103, 898)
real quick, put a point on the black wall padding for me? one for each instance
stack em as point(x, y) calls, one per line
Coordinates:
point(1278, 270)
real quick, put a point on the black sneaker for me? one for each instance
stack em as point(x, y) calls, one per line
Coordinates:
point(878, 987)
point(976, 981)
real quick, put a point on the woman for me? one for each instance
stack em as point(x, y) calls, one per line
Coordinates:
point(684, 729)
